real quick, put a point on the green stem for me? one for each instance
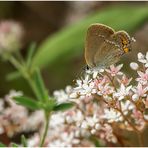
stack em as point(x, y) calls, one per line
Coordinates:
point(25, 74)
point(47, 116)
point(33, 86)
point(15, 63)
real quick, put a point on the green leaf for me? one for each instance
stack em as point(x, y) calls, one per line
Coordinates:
point(70, 40)
point(39, 84)
point(50, 104)
point(13, 75)
point(63, 106)
point(2, 145)
point(14, 145)
point(30, 54)
point(23, 141)
point(95, 140)
point(27, 102)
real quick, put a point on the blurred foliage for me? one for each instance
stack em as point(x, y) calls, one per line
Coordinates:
point(70, 41)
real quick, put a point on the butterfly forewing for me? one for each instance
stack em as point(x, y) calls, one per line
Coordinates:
point(96, 36)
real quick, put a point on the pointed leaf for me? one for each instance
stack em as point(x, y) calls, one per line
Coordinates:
point(14, 145)
point(95, 140)
point(27, 102)
point(13, 75)
point(30, 53)
point(40, 85)
point(2, 145)
point(23, 141)
point(63, 106)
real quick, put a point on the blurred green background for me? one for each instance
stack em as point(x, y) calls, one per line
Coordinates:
point(59, 30)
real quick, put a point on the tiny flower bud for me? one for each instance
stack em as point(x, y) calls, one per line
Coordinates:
point(93, 131)
point(134, 65)
point(135, 97)
point(97, 126)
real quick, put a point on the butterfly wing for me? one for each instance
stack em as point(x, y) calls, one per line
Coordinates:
point(96, 35)
point(108, 54)
point(112, 49)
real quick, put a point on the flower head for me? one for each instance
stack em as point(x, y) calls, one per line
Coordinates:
point(143, 58)
point(10, 36)
point(115, 70)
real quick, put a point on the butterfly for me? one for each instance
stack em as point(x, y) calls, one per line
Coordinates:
point(104, 46)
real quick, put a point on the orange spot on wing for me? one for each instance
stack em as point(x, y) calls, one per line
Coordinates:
point(126, 50)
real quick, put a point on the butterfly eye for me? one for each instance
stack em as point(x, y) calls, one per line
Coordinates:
point(87, 67)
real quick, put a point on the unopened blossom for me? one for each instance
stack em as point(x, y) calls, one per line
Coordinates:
point(11, 34)
point(134, 65)
point(115, 70)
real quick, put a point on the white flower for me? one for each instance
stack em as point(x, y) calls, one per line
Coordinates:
point(85, 87)
point(34, 121)
point(9, 97)
point(126, 106)
point(122, 92)
point(112, 115)
point(91, 122)
point(57, 119)
point(139, 91)
point(134, 65)
point(143, 59)
point(63, 96)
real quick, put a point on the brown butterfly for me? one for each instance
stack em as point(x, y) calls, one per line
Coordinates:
point(104, 46)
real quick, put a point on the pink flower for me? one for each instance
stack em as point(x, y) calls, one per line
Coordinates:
point(143, 77)
point(122, 92)
point(105, 89)
point(124, 80)
point(139, 91)
point(115, 70)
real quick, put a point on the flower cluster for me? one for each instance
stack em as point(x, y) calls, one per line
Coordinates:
point(10, 36)
point(106, 102)
point(15, 118)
